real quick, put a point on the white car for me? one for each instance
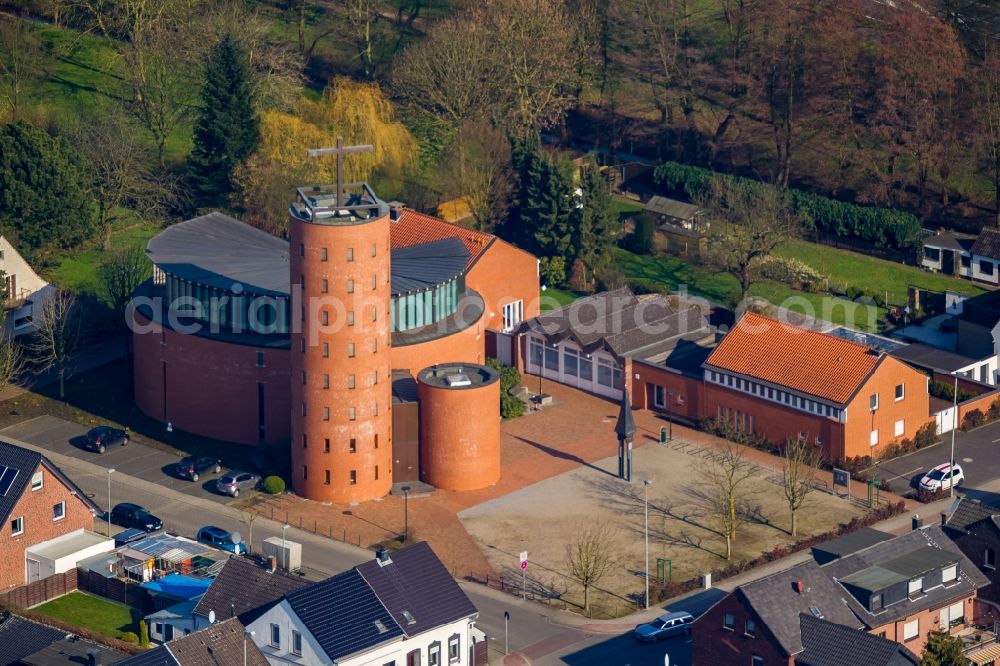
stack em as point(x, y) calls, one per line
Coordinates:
point(942, 477)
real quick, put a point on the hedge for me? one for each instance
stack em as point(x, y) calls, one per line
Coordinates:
point(884, 228)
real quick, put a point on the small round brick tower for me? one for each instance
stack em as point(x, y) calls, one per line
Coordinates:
point(340, 358)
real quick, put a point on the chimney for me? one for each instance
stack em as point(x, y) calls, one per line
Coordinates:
point(382, 556)
point(944, 518)
point(799, 586)
point(94, 656)
point(272, 563)
point(917, 522)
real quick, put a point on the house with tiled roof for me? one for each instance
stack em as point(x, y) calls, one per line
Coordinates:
point(25, 642)
point(223, 643)
point(46, 521)
point(986, 256)
point(402, 607)
point(974, 526)
point(781, 381)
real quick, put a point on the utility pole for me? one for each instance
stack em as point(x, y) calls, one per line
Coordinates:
point(645, 501)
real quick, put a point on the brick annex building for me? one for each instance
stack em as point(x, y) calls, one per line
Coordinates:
point(359, 340)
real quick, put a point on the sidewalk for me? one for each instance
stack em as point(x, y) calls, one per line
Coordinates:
point(896, 525)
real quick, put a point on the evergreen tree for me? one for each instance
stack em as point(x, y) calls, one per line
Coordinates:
point(597, 228)
point(228, 129)
point(546, 201)
point(943, 650)
point(45, 197)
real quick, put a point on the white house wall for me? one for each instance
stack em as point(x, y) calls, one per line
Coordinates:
point(28, 285)
point(398, 650)
point(560, 375)
point(282, 615)
point(977, 272)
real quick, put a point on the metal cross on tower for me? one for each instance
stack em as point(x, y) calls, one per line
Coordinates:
point(340, 150)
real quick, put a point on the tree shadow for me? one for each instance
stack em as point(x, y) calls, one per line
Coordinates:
point(563, 455)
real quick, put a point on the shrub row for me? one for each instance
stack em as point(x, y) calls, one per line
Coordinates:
point(510, 407)
point(666, 590)
point(884, 228)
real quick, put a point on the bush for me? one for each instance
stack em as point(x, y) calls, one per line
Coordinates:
point(927, 435)
point(854, 293)
point(510, 407)
point(973, 419)
point(274, 485)
point(143, 634)
point(611, 278)
point(946, 391)
point(928, 496)
point(553, 271)
point(130, 637)
point(883, 228)
point(789, 271)
point(640, 241)
point(994, 412)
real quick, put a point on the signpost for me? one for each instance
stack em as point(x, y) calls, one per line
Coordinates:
point(506, 619)
point(842, 478)
point(524, 569)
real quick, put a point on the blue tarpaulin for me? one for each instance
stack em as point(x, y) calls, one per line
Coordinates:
point(178, 586)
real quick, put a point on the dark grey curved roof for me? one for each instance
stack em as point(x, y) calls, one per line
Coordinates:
point(218, 251)
point(420, 267)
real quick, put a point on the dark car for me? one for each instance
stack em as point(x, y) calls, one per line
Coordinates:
point(222, 539)
point(234, 482)
point(193, 467)
point(127, 514)
point(665, 626)
point(100, 438)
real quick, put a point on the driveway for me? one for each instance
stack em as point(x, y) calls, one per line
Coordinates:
point(60, 436)
point(975, 451)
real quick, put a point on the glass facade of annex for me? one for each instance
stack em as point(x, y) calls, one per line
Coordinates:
point(420, 308)
point(227, 310)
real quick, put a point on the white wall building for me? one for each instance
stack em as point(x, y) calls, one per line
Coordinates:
point(23, 288)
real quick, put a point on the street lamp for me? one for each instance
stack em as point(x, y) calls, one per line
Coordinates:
point(111, 470)
point(954, 427)
point(284, 547)
point(645, 502)
point(406, 513)
point(246, 632)
point(670, 420)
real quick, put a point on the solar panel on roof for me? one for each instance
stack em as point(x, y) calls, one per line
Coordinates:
point(7, 477)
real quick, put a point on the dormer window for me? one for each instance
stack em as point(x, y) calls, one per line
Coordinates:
point(915, 586)
point(876, 603)
point(949, 574)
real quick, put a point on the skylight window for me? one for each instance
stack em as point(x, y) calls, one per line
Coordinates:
point(381, 627)
point(408, 616)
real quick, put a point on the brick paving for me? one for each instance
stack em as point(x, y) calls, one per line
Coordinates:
point(576, 429)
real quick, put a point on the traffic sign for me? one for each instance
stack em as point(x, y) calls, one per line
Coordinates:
point(524, 559)
point(524, 565)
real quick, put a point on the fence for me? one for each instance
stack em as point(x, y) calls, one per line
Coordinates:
point(339, 534)
point(40, 591)
point(115, 590)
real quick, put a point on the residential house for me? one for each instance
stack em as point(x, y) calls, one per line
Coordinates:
point(852, 542)
point(26, 642)
point(949, 252)
point(941, 364)
point(23, 290)
point(975, 529)
point(402, 608)
point(986, 256)
point(224, 643)
point(243, 589)
point(760, 622)
point(677, 213)
point(907, 587)
point(589, 344)
point(830, 644)
point(781, 381)
point(47, 521)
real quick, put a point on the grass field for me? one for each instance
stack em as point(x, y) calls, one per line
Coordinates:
point(672, 274)
point(94, 613)
point(853, 268)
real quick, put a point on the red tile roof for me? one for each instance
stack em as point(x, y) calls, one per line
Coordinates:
point(413, 228)
point(814, 363)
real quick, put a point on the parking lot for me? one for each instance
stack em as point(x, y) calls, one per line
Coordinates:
point(975, 451)
point(60, 436)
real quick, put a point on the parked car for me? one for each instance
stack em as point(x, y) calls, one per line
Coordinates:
point(671, 624)
point(127, 514)
point(234, 482)
point(942, 477)
point(100, 438)
point(220, 538)
point(128, 536)
point(193, 466)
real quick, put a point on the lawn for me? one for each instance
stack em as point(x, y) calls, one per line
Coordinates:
point(673, 274)
point(871, 273)
point(89, 612)
point(556, 298)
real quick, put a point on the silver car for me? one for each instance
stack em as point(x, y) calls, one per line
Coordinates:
point(234, 482)
point(671, 624)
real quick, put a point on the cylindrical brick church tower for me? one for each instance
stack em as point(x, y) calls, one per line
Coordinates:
point(340, 357)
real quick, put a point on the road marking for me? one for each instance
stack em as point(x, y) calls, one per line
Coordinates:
point(966, 460)
point(996, 440)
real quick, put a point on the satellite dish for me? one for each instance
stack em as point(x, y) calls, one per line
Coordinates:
point(211, 617)
point(237, 538)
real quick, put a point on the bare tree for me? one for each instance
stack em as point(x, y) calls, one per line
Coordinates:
point(57, 334)
point(362, 18)
point(121, 166)
point(798, 472)
point(248, 516)
point(12, 362)
point(725, 480)
point(747, 225)
point(20, 60)
point(590, 556)
point(122, 271)
point(479, 166)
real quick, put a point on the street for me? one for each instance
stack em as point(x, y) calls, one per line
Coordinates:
point(975, 451)
point(533, 632)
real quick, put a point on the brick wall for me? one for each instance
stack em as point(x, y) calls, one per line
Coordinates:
point(712, 643)
point(689, 392)
point(913, 409)
point(503, 274)
point(36, 508)
point(929, 620)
